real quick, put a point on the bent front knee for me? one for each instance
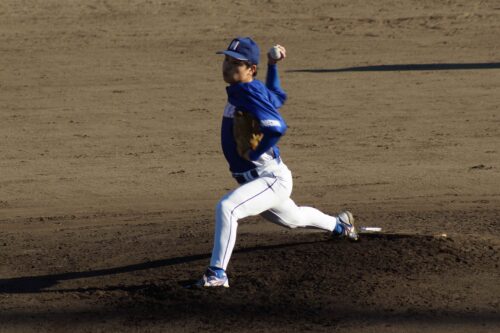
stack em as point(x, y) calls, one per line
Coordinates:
point(224, 207)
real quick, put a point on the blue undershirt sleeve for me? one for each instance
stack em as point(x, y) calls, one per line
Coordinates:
point(273, 84)
point(269, 140)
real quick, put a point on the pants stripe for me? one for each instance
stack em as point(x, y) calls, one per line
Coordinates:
point(231, 216)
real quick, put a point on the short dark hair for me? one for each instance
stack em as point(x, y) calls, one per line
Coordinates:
point(249, 64)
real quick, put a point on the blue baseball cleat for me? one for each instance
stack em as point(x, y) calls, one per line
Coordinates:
point(345, 226)
point(214, 277)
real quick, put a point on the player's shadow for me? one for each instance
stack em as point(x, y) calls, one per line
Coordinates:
point(39, 284)
point(36, 284)
point(403, 67)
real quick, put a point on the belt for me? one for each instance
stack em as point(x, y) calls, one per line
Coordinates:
point(245, 177)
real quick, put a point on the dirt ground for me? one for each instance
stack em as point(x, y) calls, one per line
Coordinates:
point(111, 166)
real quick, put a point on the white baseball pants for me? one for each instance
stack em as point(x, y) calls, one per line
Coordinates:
point(269, 196)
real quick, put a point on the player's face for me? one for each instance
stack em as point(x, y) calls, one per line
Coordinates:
point(234, 70)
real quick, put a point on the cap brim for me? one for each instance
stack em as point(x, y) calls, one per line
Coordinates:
point(233, 54)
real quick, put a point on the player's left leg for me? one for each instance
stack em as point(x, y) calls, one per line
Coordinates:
point(272, 187)
point(249, 199)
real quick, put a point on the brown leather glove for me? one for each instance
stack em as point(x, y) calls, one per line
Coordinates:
point(246, 132)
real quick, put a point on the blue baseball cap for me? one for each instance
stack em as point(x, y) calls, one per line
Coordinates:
point(243, 48)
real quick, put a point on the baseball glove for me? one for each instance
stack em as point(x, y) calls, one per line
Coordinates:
point(246, 132)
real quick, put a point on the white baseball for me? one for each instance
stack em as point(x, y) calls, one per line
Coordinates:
point(275, 52)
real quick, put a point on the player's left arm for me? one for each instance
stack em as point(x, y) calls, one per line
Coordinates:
point(272, 127)
point(267, 141)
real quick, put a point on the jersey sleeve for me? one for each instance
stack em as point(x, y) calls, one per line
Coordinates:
point(277, 94)
point(267, 142)
point(255, 99)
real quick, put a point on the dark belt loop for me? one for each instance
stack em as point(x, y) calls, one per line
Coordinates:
point(240, 179)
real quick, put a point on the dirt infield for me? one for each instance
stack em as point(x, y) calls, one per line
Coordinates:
point(111, 166)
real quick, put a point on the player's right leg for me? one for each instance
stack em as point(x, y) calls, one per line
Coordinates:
point(290, 215)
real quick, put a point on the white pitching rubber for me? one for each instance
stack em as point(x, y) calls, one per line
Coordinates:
point(371, 229)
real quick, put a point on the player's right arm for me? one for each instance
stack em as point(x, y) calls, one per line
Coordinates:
point(272, 79)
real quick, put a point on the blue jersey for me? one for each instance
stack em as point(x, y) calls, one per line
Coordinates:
point(263, 102)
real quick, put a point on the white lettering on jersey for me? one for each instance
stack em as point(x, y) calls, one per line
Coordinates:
point(229, 110)
point(270, 123)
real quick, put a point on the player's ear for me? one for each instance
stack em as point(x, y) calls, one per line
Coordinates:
point(254, 70)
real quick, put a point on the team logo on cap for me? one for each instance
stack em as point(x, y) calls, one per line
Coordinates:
point(234, 45)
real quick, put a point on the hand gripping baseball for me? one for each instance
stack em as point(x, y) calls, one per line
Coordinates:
point(275, 54)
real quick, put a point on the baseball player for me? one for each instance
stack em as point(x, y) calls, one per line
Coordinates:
point(251, 127)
